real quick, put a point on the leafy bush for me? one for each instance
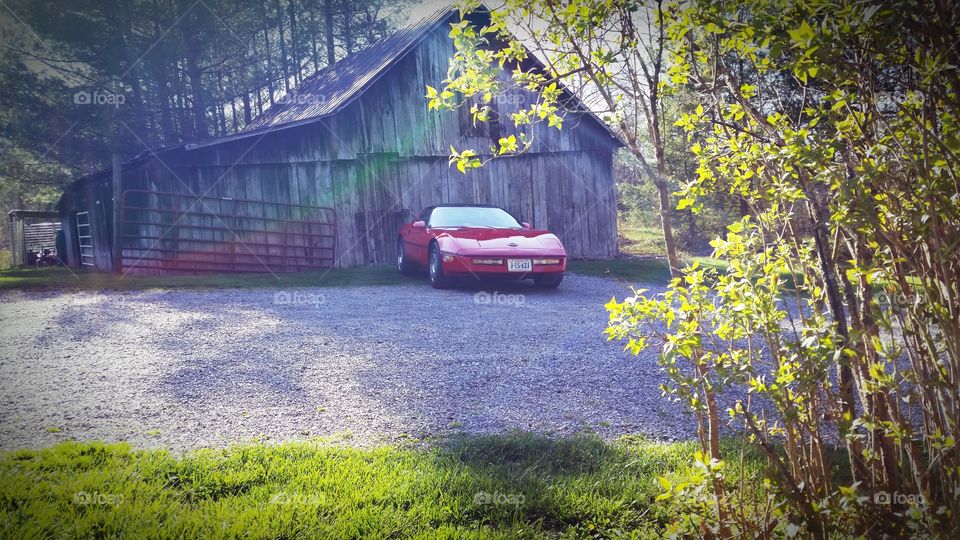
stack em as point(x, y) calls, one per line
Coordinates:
point(838, 126)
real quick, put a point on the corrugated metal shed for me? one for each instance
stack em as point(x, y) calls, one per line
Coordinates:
point(32, 231)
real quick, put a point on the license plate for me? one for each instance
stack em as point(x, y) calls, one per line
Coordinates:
point(519, 265)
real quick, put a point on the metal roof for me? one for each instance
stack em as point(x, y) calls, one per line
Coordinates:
point(333, 87)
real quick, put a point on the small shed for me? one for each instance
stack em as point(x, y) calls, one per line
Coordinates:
point(32, 232)
point(327, 176)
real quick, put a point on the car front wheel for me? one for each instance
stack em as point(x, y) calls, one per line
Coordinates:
point(435, 263)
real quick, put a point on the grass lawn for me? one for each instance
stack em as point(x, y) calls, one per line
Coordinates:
point(641, 241)
point(494, 486)
point(629, 270)
point(638, 270)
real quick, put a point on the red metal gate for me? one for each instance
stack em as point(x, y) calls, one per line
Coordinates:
point(181, 233)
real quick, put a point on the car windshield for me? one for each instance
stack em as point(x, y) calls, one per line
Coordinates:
point(472, 216)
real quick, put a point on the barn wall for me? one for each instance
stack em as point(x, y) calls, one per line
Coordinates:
point(569, 193)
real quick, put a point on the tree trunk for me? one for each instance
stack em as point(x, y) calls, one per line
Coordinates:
point(666, 224)
point(247, 117)
point(134, 77)
point(312, 22)
point(233, 114)
point(328, 26)
point(199, 106)
point(221, 115)
point(193, 25)
point(284, 59)
point(267, 53)
point(186, 127)
point(663, 191)
point(845, 375)
point(347, 13)
point(294, 46)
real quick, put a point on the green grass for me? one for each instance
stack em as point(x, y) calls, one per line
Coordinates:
point(641, 241)
point(629, 270)
point(643, 258)
point(63, 278)
point(578, 486)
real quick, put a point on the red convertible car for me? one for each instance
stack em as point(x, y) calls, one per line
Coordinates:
point(479, 241)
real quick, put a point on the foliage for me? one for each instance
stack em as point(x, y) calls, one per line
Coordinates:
point(580, 487)
point(638, 200)
point(837, 124)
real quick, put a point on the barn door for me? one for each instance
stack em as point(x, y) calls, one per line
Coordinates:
point(381, 213)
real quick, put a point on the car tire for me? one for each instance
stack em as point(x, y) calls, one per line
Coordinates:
point(435, 268)
point(549, 281)
point(403, 263)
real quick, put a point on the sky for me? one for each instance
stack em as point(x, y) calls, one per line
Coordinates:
point(427, 7)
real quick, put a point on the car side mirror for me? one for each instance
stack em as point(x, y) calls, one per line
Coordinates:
point(526, 225)
point(419, 224)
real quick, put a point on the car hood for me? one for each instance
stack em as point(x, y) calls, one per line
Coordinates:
point(470, 238)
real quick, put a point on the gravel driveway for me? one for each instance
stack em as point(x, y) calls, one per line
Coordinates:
point(368, 365)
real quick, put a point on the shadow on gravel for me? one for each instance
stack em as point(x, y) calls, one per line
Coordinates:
point(505, 285)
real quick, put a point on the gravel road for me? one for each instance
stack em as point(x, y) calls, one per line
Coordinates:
point(365, 365)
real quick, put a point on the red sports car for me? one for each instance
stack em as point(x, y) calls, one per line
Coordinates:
point(479, 241)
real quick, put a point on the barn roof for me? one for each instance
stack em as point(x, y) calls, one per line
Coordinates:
point(327, 91)
point(332, 88)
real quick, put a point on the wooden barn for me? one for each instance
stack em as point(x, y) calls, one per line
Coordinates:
point(327, 176)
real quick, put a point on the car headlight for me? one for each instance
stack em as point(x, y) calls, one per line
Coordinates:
point(488, 261)
point(546, 261)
